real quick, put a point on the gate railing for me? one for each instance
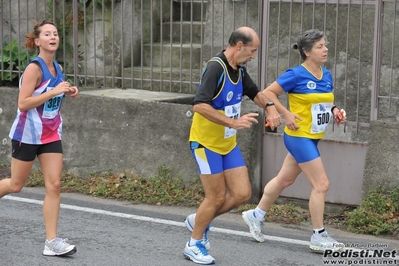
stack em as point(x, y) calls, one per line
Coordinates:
point(162, 45)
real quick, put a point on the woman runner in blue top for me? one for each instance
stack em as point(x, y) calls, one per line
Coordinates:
point(311, 108)
point(37, 130)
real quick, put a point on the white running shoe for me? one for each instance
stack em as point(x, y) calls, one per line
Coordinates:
point(190, 222)
point(255, 226)
point(198, 254)
point(325, 242)
point(58, 247)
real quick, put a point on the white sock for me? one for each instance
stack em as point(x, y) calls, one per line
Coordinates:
point(318, 232)
point(193, 242)
point(259, 213)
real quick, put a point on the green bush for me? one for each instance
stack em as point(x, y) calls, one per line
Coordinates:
point(13, 60)
point(164, 188)
point(378, 214)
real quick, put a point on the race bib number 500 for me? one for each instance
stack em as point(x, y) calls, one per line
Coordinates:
point(321, 116)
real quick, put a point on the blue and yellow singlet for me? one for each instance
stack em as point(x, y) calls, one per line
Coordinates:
point(216, 137)
point(309, 97)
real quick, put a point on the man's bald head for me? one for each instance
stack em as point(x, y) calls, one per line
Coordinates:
point(243, 34)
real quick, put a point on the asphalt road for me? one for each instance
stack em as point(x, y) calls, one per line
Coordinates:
point(109, 232)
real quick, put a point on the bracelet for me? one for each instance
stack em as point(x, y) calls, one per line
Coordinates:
point(332, 109)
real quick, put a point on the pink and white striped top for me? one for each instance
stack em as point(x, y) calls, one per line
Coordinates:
point(43, 124)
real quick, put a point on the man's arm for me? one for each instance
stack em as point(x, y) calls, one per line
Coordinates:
point(272, 115)
point(208, 85)
point(271, 92)
point(213, 115)
point(260, 99)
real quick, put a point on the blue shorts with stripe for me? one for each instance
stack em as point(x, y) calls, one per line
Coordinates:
point(210, 162)
point(302, 149)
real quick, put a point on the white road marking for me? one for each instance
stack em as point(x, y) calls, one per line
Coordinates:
point(156, 220)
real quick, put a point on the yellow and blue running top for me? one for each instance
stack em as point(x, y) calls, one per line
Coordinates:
point(309, 97)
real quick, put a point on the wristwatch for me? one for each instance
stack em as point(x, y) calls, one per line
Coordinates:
point(269, 104)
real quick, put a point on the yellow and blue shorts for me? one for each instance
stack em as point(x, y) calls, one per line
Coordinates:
point(210, 162)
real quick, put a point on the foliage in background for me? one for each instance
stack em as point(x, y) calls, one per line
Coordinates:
point(377, 214)
point(288, 213)
point(14, 58)
point(162, 189)
point(98, 2)
point(61, 13)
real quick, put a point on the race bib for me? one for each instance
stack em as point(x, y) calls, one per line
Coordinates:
point(232, 111)
point(321, 116)
point(52, 107)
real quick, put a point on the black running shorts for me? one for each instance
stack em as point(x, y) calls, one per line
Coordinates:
point(28, 152)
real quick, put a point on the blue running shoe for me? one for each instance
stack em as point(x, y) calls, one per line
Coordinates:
point(198, 254)
point(190, 222)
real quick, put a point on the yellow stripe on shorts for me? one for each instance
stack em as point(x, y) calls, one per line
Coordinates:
point(202, 161)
